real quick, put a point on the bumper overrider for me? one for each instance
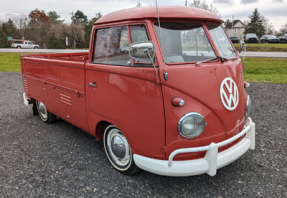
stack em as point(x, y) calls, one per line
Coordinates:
point(211, 161)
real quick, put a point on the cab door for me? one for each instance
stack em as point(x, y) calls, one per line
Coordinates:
point(30, 45)
point(25, 45)
point(123, 92)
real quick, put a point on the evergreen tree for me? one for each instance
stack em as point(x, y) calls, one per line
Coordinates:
point(255, 25)
point(10, 29)
point(80, 17)
point(227, 21)
point(54, 43)
point(54, 17)
point(88, 29)
point(3, 39)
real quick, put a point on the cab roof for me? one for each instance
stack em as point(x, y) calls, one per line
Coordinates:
point(174, 12)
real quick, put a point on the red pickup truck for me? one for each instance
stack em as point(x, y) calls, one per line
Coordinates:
point(165, 94)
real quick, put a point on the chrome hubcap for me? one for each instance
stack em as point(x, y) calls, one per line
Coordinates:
point(118, 147)
point(42, 109)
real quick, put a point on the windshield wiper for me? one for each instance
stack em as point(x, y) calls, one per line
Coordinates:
point(221, 58)
point(232, 50)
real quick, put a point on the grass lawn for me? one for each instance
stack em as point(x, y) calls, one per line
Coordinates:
point(266, 47)
point(10, 62)
point(265, 70)
point(256, 69)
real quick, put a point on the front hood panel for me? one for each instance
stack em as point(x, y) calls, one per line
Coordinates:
point(203, 85)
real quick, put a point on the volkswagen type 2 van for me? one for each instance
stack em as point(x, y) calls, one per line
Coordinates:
point(172, 103)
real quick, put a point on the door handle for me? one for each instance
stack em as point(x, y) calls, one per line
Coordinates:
point(93, 84)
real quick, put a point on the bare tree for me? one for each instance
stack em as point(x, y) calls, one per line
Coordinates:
point(75, 32)
point(269, 28)
point(283, 29)
point(139, 4)
point(204, 5)
point(59, 30)
point(21, 21)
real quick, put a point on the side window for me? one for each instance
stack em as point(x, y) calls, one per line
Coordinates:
point(111, 46)
point(139, 34)
point(101, 46)
point(118, 52)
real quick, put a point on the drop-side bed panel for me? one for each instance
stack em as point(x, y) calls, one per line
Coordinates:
point(59, 83)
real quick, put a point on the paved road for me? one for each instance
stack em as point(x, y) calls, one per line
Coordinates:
point(60, 160)
point(265, 54)
point(248, 54)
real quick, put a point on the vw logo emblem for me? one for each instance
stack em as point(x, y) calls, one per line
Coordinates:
point(229, 94)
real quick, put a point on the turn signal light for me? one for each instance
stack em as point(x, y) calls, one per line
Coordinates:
point(246, 84)
point(177, 101)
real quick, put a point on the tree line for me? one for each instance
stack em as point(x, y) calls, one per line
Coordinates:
point(260, 25)
point(47, 30)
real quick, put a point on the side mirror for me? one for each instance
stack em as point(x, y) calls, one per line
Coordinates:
point(142, 50)
point(241, 46)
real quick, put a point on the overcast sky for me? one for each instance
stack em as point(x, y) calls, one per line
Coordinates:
point(274, 10)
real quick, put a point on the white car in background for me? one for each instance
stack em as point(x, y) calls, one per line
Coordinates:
point(24, 44)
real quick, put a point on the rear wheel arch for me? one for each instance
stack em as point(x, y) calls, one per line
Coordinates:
point(45, 115)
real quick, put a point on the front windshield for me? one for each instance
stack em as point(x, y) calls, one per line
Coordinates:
point(271, 36)
point(250, 35)
point(221, 41)
point(184, 42)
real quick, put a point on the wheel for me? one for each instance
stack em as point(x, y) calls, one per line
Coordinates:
point(35, 109)
point(118, 151)
point(36, 48)
point(18, 47)
point(44, 114)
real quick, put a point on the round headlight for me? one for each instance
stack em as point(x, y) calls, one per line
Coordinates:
point(191, 125)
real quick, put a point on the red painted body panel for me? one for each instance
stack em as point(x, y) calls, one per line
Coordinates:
point(200, 91)
point(58, 82)
point(132, 99)
point(129, 98)
point(149, 12)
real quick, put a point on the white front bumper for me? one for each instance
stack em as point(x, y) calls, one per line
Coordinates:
point(209, 164)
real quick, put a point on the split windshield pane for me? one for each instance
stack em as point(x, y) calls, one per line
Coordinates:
point(184, 42)
point(221, 41)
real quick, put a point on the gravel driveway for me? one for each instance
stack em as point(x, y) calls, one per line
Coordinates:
point(60, 160)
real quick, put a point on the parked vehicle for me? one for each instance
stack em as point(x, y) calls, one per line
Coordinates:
point(251, 38)
point(24, 44)
point(283, 38)
point(234, 39)
point(269, 39)
point(176, 109)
